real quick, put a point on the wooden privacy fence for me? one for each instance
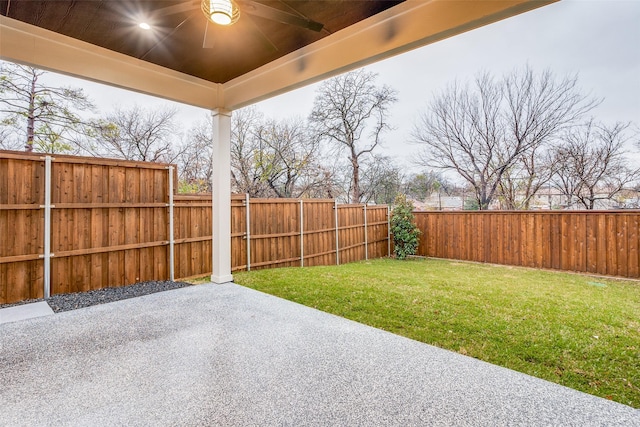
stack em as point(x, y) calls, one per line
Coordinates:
point(281, 233)
point(598, 242)
point(70, 224)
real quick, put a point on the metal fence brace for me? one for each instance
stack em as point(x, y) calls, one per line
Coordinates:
point(47, 227)
point(301, 233)
point(248, 231)
point(171, 236)
point(335, 207)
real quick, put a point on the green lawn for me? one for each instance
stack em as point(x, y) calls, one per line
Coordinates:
point(579, 331)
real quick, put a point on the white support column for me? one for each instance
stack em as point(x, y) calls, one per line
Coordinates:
point(221, 197)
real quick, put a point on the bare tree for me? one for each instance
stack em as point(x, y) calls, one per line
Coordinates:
point(351, 113)
point(325, 181)
point(195, 160)
point(592, 164)
point(422, 185)
point(381, 181)
point(481, 131)
point(245, 178)
point(46, 113)
point(521, 182)
point(143, 134)
point(271, 158)
point(286, 157)
point(7, 140)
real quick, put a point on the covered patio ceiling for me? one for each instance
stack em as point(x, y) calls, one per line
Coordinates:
point(228, 68)
point(184, 59)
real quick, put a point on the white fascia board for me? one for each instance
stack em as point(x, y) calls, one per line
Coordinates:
point(30, 45)
point(409, 25)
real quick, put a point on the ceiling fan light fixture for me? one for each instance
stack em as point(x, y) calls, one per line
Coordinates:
point(221, 12)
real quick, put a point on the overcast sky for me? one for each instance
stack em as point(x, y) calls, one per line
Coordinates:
point(598, 39)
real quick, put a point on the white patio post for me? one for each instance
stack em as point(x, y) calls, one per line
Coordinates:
point(221, 197)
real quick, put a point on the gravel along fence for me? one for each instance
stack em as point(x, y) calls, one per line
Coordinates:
point(66, 302)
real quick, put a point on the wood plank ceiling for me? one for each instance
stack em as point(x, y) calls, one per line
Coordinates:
point(176, 40)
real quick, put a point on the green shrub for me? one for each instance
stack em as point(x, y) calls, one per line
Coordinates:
point(405, 232)
point(471, 205)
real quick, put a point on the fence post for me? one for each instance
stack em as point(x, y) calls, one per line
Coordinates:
point(248, 230)
point(47, 227)
point(335, 207)
point(301, 233)
point(388, 231)
point(171, 233)
point(366, 240)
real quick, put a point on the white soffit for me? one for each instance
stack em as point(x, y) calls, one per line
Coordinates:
point(30, 45)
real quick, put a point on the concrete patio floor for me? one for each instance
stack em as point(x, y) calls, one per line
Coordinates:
point(227, 355)
point(25, 311)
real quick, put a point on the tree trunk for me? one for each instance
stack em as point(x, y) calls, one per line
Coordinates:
point(31, 120)
point(356, 183)
point(483, 202)
point(356, 175)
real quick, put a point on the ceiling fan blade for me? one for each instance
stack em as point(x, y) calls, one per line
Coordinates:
point(261, 36)
point(259, 9)
point(209, 40)
point(167, 36)
point(178, 8)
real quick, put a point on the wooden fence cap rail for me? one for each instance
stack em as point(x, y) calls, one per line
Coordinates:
point(65, 158)
point(532, 212)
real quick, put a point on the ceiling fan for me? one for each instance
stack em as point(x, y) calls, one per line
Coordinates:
point(228, 12)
